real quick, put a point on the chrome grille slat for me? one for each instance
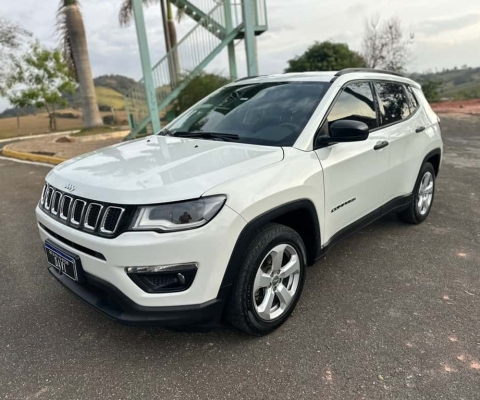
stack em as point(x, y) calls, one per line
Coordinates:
point(106, 227)
point(55, 202)
point(66, 199)
point(76, 210)
point(48, 197)
point(42, 199)
point(90, 211)
point(89, 216)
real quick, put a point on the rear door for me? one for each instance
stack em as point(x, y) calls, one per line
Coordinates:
point(402, 122)
point(355, 174)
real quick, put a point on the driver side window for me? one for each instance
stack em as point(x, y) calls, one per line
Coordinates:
point(355, 103)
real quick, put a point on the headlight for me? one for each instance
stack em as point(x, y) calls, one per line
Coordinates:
point(178, 216)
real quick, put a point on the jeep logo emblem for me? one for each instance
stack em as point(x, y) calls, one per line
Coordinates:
point(70, 187)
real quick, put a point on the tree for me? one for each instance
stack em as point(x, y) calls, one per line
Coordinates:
point(39, 79)
point(12, 37)
point(386, 45)
point(74, 45)
point(326, 56)
point(431, 89)
point(198, 88)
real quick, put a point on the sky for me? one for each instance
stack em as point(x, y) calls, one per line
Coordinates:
point(447, 33)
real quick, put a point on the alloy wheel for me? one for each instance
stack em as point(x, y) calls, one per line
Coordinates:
point(276, 282)
point(425, 193)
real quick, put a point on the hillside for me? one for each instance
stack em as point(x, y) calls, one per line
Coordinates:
point(457, 84)
point(109, 98)
point(109, 90)
point(118, 83)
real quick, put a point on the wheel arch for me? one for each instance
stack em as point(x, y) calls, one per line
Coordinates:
point(434, 157)
point(299, 215)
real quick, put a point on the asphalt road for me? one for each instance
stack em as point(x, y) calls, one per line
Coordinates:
point(393, 312)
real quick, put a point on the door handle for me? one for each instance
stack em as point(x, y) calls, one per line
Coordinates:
point(380, 145)
point(420, 129)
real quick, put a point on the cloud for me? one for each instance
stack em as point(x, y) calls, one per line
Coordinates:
point(357, 9)
point(434, 27)
point(293, 27)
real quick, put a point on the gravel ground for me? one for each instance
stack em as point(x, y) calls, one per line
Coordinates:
point(391, 313)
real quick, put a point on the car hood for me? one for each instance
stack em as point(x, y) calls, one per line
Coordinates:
point(159, 169)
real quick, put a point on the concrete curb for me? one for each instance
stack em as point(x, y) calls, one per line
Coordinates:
point(99, 136)
point(38, 136)
point(7, 152)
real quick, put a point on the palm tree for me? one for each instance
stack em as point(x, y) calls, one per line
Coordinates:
point(170, 31)
point(74, 44)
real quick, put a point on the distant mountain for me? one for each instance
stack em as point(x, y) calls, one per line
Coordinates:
point(118, 83)
point(457, 84)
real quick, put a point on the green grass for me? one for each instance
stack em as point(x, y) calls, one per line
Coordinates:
point(110, 98)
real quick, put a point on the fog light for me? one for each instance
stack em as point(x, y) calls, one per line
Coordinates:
point(163, 278)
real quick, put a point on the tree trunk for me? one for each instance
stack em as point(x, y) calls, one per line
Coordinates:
point(172, 33)
point(76, 33)
point(18, 120)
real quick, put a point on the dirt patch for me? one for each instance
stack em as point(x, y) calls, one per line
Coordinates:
point(64, 139)
point(465, 107)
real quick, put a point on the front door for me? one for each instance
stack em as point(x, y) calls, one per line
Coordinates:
point(356, 173)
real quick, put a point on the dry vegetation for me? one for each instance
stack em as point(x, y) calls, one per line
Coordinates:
point(38, 124)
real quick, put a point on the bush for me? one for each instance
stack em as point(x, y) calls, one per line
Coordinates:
point(108, 120)
point(66, 115)
point(104, 108)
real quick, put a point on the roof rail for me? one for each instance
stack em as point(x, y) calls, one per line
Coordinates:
point(247, 77)
point(351, 70)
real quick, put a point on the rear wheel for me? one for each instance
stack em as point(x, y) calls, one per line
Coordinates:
point(423, 195)
point(270, 281)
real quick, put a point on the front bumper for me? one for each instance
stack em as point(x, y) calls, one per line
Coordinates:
point(109, 301)
point(209, 246)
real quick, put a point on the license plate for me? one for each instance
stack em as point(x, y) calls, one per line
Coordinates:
point(63, 261)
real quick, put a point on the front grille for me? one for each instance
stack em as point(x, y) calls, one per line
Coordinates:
point(97, 218)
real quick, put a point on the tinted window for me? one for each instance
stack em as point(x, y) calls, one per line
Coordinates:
point(355, 103)
point(413, 99)
point(260, 113)
point(393, 102)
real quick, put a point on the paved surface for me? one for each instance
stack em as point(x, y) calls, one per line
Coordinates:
point(392, 313)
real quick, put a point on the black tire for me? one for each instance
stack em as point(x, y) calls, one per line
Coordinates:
point(412, 215)
point(240, 309)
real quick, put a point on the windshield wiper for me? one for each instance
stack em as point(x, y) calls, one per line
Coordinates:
point(228, 137)
point(166, 132)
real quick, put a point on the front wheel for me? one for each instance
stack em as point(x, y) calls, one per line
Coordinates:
point(270, 281)
point(423, 195)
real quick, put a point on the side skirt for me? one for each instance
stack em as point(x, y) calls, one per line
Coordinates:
point(395, 205)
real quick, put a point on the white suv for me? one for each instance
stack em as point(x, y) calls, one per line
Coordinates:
point(217, 216)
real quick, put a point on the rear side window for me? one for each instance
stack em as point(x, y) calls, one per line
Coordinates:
point(355, 103)
point(413, 99)
point(393, 102)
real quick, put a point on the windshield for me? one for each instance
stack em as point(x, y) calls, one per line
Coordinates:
point(271, 114)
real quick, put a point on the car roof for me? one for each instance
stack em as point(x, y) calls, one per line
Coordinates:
point(327, 76)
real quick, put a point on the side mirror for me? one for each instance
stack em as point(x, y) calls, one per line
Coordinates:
point(346, 131)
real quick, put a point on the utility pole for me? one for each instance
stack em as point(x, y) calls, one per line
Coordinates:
point(146, 65)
